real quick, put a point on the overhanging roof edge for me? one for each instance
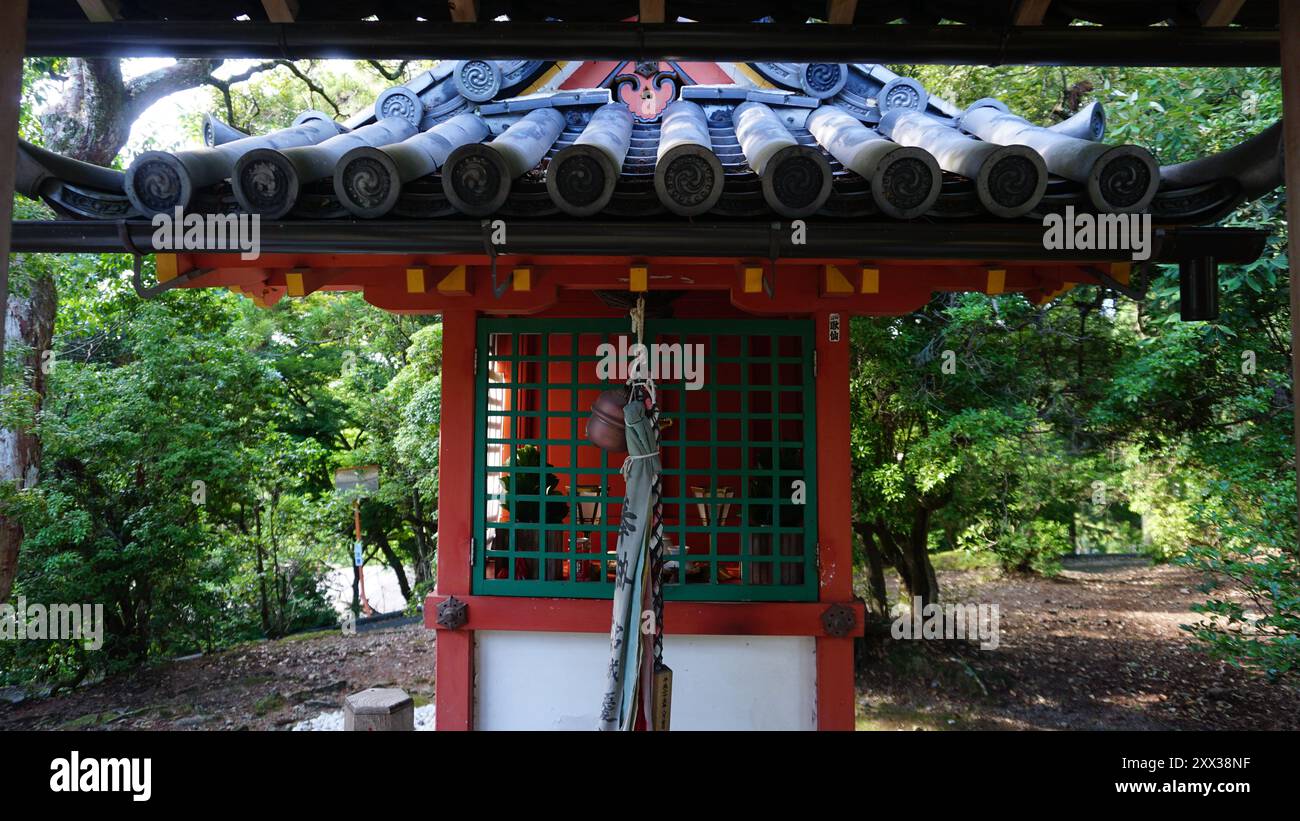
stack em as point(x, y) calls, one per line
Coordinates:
point(948, 45)
point(755, 240)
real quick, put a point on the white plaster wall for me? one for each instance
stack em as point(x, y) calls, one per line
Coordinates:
point(554, 681)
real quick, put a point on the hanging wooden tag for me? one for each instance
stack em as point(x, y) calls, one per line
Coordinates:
point(662, 699)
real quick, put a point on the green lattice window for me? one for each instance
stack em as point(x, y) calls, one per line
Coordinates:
point(739, 457)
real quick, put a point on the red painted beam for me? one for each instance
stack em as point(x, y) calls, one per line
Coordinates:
point(902, 286)
point(683, 618)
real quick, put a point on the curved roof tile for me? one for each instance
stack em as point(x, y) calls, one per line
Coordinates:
point(972, 161)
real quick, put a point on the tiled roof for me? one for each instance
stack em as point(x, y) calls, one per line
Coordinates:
point(480, 138)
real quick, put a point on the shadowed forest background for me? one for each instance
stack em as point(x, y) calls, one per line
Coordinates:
point(1090, 423)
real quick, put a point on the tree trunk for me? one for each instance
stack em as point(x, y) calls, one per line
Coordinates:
point(261, 571)
point(395, 562)
point(878, 601)
point(925, 584)
point(891, 554)
point(279, 584)
point(423, 554)
point(29, 329)
point(910, 556)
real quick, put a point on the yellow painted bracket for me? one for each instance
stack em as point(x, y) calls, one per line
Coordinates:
point(638, 278)
point(457, 282)
point(754, 279)
point(870, 281)
point(306, 281)
point(523, 279)
point(166, 266)
point(415, 281)
point(258, 296)
point(1048, 296)
point(997, 281)
point(167, 272)
point(835, 283)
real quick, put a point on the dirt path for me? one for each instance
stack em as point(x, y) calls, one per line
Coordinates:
point(259, 686)
point(1099, 647)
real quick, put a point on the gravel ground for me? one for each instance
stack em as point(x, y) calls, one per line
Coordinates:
point(333, 720)
point(1098, 647)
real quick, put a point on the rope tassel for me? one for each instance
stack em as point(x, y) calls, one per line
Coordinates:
point(636, 687)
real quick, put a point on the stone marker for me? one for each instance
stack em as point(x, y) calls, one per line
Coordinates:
point(378, 709)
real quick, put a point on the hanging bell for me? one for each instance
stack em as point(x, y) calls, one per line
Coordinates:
point(605, 427)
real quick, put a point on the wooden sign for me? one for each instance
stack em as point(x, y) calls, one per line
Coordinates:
point(362, 478)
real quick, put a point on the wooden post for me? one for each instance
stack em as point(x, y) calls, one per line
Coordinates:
point(13, 19)
point(1219, 12)
point(454, 652)
point(840, 12)
point(378, 710)
point(280, 11)
point(1030, 12)
point(1289, 20)
point(463, 11)
point(359, 603)
point(101, 11)
point(835, 696)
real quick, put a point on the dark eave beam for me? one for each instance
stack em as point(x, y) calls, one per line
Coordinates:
point(944, 45)
point(834, 240)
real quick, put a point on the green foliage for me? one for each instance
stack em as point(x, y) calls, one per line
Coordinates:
point(147, 398)
point(969, 410)
point(190, 442)
point(271, 99)
point(1253, 616)
point(1094, 421)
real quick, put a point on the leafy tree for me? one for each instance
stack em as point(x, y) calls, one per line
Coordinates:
point(1095, 419)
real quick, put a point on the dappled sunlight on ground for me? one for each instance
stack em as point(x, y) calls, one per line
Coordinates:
point(1097, 647)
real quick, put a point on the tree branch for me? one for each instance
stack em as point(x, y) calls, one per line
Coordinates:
point(148, 89)
point(312, 84)
point(394, 75)
point(224, 85)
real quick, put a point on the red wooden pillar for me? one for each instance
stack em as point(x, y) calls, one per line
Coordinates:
point(455, 648)
point(835, 691)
